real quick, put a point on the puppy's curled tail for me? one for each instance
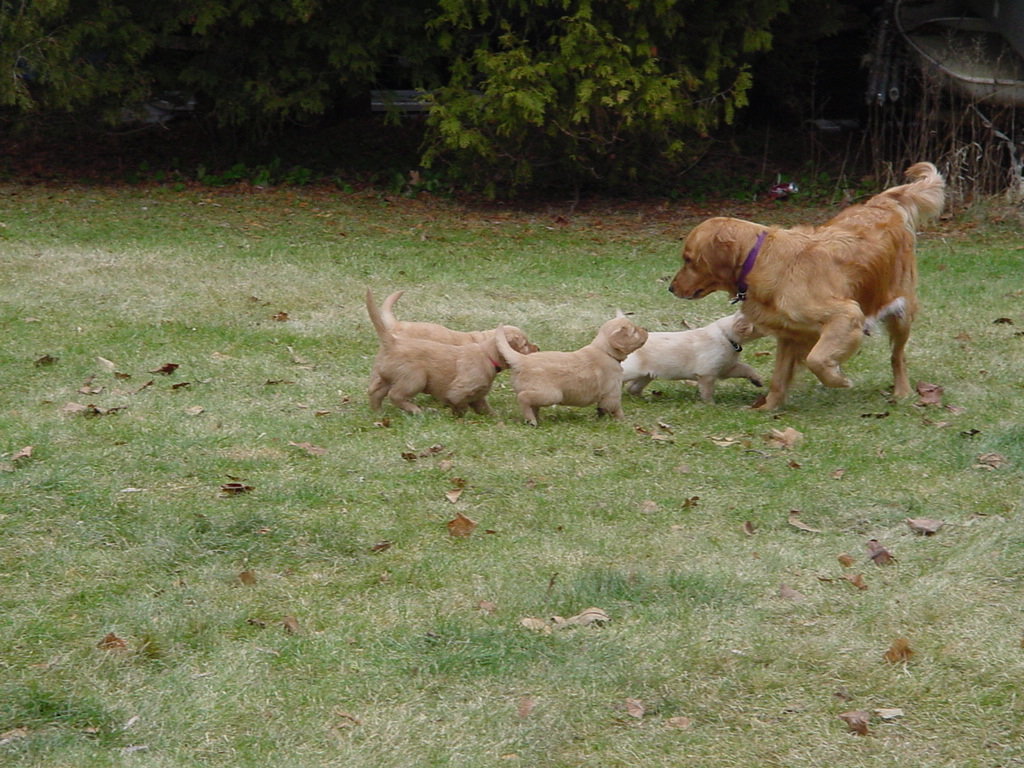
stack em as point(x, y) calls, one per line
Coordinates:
point(925, 196)
point(386, 313)
point(375, 317)
point(512, 357)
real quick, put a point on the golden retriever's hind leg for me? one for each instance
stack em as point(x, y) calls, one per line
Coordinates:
point(840, 338)
point(636, 386)
point(402, 401)
point(528, 409)
point(899, 333)
point(482, 407)
point(377, 392)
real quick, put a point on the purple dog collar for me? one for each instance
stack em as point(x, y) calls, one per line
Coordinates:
point(748, 264)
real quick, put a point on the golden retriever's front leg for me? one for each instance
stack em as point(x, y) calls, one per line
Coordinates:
point(527, 408)
point(840, 338)
point(788, 355)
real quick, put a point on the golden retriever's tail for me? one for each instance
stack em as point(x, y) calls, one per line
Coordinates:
point(386, 313)
point(375, 317)
point(511, 356)
point(924, 197)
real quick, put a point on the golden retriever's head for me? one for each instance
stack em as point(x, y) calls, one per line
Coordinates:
point(713, 255)
point(619, 337)
point(518, 341)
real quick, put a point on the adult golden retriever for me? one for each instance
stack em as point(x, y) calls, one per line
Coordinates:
point(817, 289)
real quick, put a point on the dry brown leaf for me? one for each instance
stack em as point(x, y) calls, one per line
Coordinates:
point(586, 618)
point(680, 722)
point(857, 721)
point(796, 522)
point(837, 474)
point(380, 546)
point(112, 642)
point(291, 625)
point(536, 625)
point(924, 526)
point(748, 528)
point(453, 495)
point(879, 554)
point(24, 453)
point(846, 560)
point(195, 410)
point(786, 592)
point(526, 705)
point(247, 577)
point(635, 708)
point(857, 579)
point(233, 488)
point(312, 450)
point(784, 439)
point(992, 461)
point(106, 365)
point(931, 394)
point(486, 606)
point(280, 317)
point(461, 526)
point(649, 506)
point(45, 360)
point(725, 442)
point(166, 369)
point(13, 735)
point(900, 650)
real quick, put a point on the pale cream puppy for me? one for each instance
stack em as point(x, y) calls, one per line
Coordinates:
point(434, 331)
point(460, 376)
point(589, 376)
point(704, 355)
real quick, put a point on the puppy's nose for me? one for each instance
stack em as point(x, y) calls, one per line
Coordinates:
point(671, 289)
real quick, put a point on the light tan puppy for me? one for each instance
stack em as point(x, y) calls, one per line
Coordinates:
point(433, 331)
point(704, 355)
point(458, 376)
point(589, 376)
point(817, 289)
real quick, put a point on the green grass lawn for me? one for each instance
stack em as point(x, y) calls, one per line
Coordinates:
point(325, 616)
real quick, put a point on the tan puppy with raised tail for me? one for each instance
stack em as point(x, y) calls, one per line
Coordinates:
point(589, 376)
point(458, 376)
point(704, 355)
point(434, 331)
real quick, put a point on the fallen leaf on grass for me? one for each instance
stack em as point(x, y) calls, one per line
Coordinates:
point(725, 442)
point(280, 317)
point(785, 439)
point(486, 606)
point(931, 394)
point(12, 735)
point(857, 579)
point(748, 528)
point(166, 369)
point(857, 721)
point(312, 450)
point(112, 642)
point(796, 522)
point(900, 650)
point(233, 489)
point(45, 360)
point(461, 526)
point(924, 526)
point(992, 461)
point(837, 474)
point(526, 705)
point(247, 577)
point(107, 365)
point(24, 453)
point(786, 592)
point(879, 554)
point(291, 625)
point(454, 494)
point(846, 560)
point(195, 410)
point(635, 708)
point(682, 723)
point(380, 546)
point(586, 618)
point(535, 624)
point(90, 410)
